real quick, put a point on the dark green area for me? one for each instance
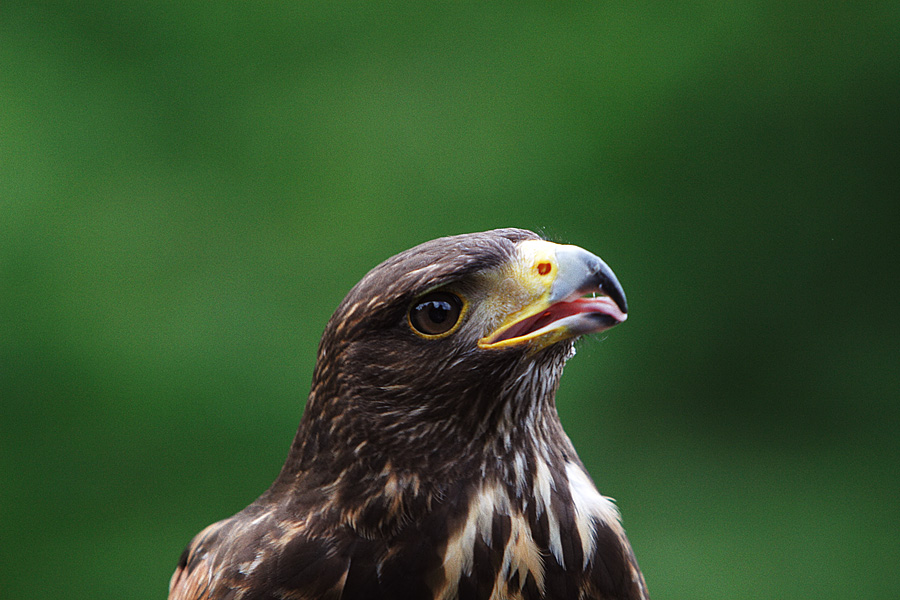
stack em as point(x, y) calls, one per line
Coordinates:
point(187, 190)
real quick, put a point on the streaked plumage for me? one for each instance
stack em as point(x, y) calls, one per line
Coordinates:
point(434, 465)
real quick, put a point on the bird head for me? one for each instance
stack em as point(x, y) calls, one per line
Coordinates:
point(456, 339)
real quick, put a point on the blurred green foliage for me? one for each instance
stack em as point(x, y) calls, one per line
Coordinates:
point(187, 190)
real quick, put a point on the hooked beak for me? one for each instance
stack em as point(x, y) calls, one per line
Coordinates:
point(570, 293)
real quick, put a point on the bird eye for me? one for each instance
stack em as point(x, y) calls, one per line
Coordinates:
point(436, 313)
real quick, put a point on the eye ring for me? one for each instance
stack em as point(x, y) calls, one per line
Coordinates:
point(436, 314)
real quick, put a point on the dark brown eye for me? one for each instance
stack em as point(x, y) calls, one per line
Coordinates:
point(435, 313)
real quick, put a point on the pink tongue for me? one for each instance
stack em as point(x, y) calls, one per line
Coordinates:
point(600, 304)
point(560, 310)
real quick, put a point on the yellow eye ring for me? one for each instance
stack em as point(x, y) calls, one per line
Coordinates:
point(436, 314)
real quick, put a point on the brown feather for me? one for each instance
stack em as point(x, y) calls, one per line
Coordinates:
point(423, 468)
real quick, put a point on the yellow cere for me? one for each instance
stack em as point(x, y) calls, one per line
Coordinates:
point(524, 290)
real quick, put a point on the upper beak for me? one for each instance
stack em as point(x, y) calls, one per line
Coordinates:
point(570, 292)
point(580, 273)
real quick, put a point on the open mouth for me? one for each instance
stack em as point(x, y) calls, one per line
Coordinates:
point(572, 318)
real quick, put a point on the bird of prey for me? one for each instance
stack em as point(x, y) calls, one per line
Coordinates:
point(430, 462)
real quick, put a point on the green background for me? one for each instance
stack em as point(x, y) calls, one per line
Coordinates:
point(188, 189)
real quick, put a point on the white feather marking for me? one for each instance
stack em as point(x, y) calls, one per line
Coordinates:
point(349, 312)
point(521, 556)
point(589, 504)
point(249, 568)
point(519, 463)
point(459, 556)
point(259, 519)
point(543, 482)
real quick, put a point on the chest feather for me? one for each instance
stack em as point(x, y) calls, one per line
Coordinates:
point(521, 533)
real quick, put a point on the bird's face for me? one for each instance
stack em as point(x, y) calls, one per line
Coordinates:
point(440, 330)
point(542, 295)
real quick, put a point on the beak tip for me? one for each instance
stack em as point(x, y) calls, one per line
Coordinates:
point(610, 285)
point(621, 302)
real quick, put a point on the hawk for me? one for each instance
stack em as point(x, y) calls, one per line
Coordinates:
point(430, 462)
